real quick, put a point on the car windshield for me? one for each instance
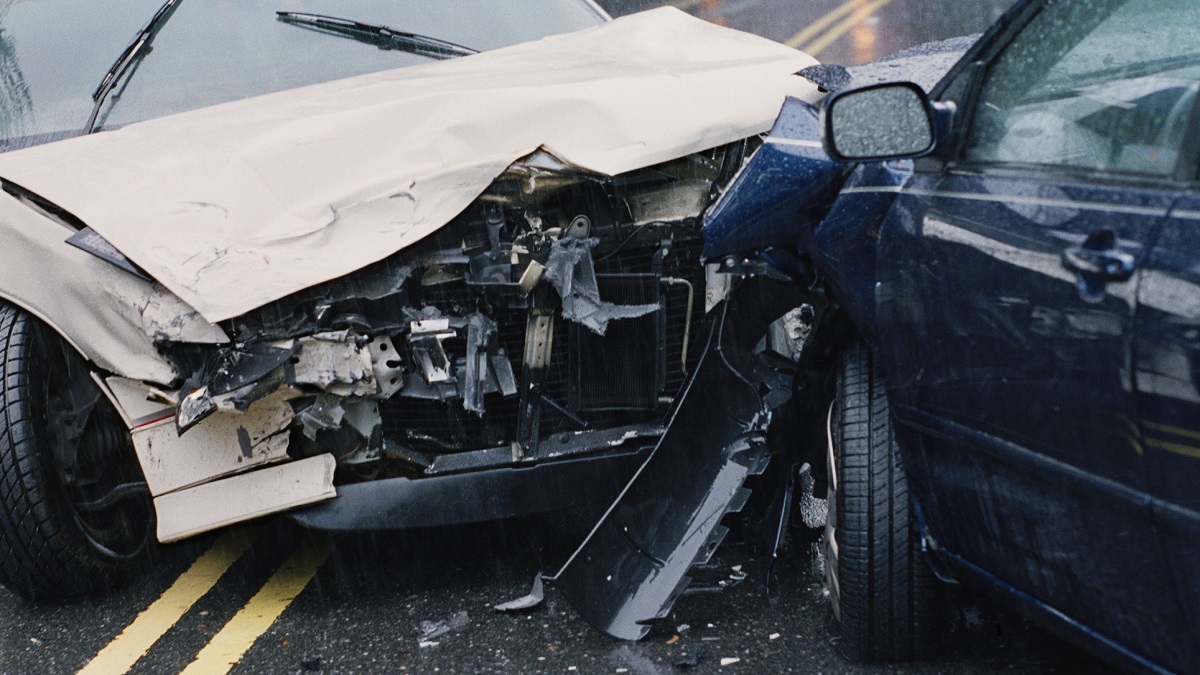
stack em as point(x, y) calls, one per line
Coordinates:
point(54, 53)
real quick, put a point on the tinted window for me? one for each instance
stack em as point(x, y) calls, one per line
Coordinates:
point(1097, 84)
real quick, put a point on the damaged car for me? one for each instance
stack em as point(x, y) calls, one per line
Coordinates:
point(1001, 276)
point(377, 267)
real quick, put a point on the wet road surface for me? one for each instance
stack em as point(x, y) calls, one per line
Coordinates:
point(273, 598)
point(848, 32)
point(422, 602)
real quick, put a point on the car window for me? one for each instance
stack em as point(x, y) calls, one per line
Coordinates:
point(1099, 84)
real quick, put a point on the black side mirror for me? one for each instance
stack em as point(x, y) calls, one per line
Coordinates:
point(881, 121)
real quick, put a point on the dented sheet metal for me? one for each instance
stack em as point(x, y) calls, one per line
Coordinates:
point(222, 444)
point(237, 205)
point(571, 272)
point(336, 363)
point(109, 315)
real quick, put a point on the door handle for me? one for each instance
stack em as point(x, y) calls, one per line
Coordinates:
point(1108, 265)
point(1096, 262)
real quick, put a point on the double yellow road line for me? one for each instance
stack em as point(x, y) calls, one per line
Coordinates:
point(228, 646)
point(818, 35)
point(813, 41)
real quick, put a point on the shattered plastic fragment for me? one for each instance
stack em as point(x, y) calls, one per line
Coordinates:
point(570, 270)
point(729, 660)
point(326, 412)
point(433, 629)
point(690, 661)
point(193, 408)
point(535, 597)
point(827, 76)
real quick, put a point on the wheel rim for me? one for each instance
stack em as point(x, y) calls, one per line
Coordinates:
point(829, 544)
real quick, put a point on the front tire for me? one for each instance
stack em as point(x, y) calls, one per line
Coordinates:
point(883, 591)
point(75, 516)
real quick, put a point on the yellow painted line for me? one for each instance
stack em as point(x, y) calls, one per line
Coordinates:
point(1178, 431)
point(814, 28)
point(1175, 448)
point(1133, 442)
point(137, 638)
point(229, 645)
point(843, 27)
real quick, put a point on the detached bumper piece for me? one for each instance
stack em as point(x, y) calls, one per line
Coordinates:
point(634, 564)
point(454, 499)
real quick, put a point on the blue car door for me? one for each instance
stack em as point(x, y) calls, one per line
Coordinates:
point(1008, 278)
point(1167, 358)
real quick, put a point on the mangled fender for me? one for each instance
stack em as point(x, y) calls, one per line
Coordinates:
point(108, 315)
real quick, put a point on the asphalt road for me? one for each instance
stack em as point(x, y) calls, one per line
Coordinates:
point(379, 602)
point(272, 598)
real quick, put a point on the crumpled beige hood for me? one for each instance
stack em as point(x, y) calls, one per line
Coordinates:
point(234, 206)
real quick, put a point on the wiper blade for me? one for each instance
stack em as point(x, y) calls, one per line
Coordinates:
point(133, 54)
point(379, 36)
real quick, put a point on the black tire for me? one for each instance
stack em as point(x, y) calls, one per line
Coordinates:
point(67, 526)
point(882, 589)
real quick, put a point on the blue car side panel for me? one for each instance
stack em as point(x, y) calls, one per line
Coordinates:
point(844, 246)
point(1010, 385)
point(781, 193)
point(1167, 363)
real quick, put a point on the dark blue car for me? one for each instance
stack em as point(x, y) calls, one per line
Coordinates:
point(1005, 273)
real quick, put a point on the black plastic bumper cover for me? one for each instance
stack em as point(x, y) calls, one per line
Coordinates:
point(633, 565)
point(455, 499)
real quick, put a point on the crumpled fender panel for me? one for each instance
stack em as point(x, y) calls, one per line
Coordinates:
point(633, 565)
point(106, 313)
point(781, 194)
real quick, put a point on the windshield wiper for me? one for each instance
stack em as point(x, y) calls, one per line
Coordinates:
point(132, 55)
point(380, 36)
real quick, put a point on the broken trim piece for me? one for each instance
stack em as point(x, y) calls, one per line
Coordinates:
point(571, 272)
point(633, 565)
point(476, 496)
point(213, 505)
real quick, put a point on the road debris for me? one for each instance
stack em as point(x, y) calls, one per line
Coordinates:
point(729, 660)
point(736, 577)
point(690, 661)
point(535, 597)
point(433, 629)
